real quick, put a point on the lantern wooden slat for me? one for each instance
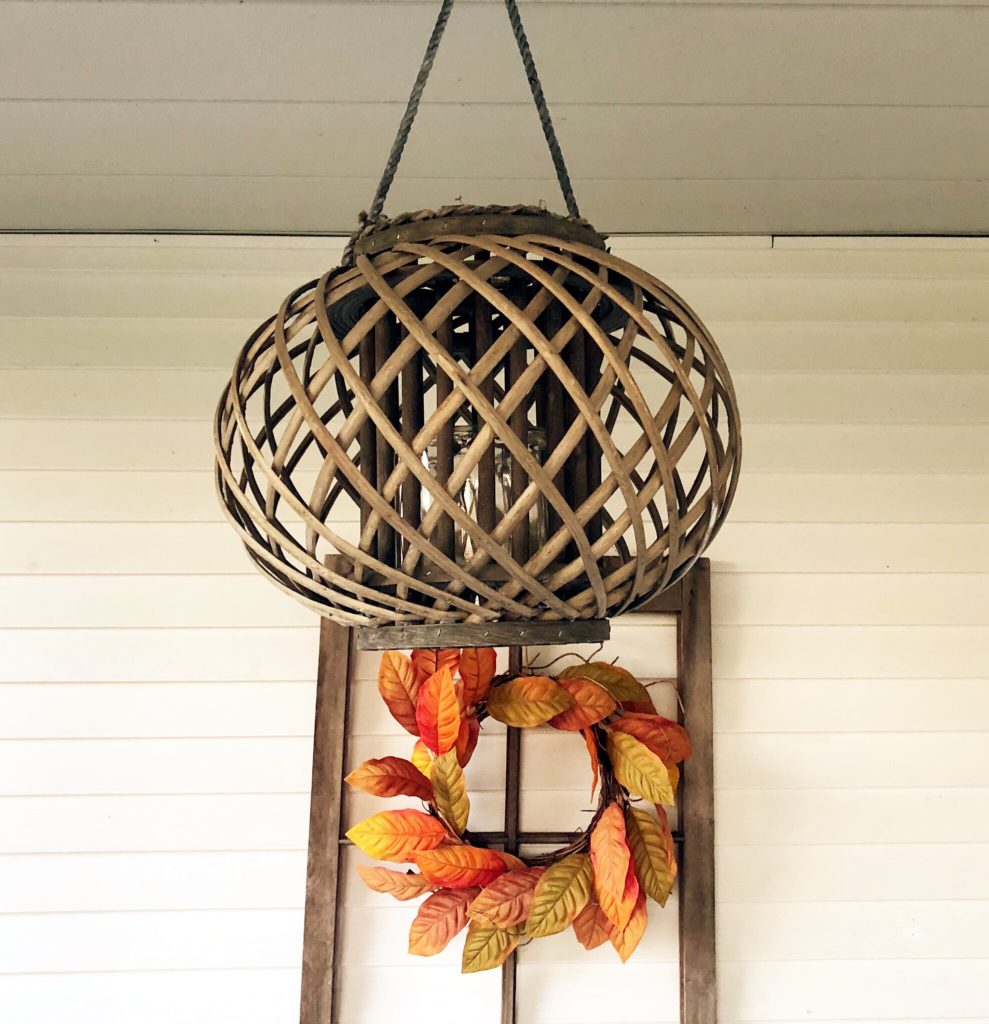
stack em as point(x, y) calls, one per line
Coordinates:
point(424, 373)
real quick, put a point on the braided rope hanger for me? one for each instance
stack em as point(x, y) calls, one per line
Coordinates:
point(412, 108)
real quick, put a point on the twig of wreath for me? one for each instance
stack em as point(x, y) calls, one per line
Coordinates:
point(598, 883)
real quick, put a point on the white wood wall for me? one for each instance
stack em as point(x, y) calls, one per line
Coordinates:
point(156, 697)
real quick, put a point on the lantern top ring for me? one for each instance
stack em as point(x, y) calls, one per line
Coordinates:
point(510, 221)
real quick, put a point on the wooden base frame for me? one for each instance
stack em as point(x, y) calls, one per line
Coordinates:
point(690, 602)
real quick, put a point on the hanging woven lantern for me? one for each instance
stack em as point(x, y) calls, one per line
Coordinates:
point(488, 418)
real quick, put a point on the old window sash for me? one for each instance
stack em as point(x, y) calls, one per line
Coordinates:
point(690, 603)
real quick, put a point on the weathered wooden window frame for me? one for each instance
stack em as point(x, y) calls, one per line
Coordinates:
point(690, 603)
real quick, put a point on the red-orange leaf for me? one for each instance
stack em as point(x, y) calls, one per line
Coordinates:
point(611, 859)
point(470, 730)
point(440, 918)
point(626, 939)
point(398, 689)
point(591, 926)
point(460, 867)
point(403, 885)
point(662, 736)
point(427, 661)
point(506, 901)
point(438, 712)
point(592, 703)
point(592, 750)
point(390, 776)
point(477, 669)
point(397, 835)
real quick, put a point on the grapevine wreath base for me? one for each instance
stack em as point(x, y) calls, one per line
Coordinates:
point(597, 884)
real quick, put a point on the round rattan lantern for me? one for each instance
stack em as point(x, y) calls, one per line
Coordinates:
point(486, 417)
point(381, 393)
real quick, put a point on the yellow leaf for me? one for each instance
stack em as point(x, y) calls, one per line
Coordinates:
point(390, 776)
point(622, 685)
point(506, 901)
point(397, 835)
point(638, 769)
point(626, 939)
point(422, 758)
point(651, 852)
point(438, 712)
point(486, 948)
point(396, 684)
point(591, 927)
point(592, 703)
point(460, 867)
point(439, 919)
point(528, 701)
point(450, 791)
point(403, 885)
point(610, 857)
point(560, 895)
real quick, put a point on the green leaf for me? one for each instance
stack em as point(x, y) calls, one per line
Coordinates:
point(560, 895)
point(450, 790)
point(638, 769)
point(651, 849)
point(486, 948)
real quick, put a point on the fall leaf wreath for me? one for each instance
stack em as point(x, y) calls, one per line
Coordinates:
point(598, 884)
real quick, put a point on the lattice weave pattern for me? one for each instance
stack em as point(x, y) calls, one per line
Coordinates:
point(388, 413)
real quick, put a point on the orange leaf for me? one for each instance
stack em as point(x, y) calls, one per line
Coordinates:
point(439, 919)
point(528, 701)
point(477, 669)
point(438, 712)
point(390, 776)
point(591, 926)
point(665, 738)
point(592, 750)
point(611, 858)
point(592, 703)
point(628, 938)
point(427, 662)
point(422, 758)
point(398, 689)
point(397, 835)
point(470, 730)
point(506, 901)
point(403, 885)
point(460, 867)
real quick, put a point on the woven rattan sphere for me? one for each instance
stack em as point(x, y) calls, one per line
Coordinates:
point(487, 417)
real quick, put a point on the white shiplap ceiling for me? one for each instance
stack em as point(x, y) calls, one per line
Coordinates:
point(675, 117)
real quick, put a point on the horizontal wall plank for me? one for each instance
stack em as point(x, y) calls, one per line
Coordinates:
point(700, 61)
point(77, 882)
point(301, 205)
point(112, 824)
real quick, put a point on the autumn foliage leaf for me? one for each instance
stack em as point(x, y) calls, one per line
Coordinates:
point(509, 859)
point(460, 867)
point(622, 685)
point(625, 940)
point(638, 769)
point(439, 919)
point(506, 901)
point(422, 758)
point(438, 712)
point(477, 669)
point(591, 704)
point(390, 776)
point(397, 835)
point(398, 689)
point(611, 857)
point(450, 790)
point(403, 885)
point(652, 850)
point(470, 730)
point(486, 948)
point(528, 701)
point(591, 926)
point(592, 751)
point(427, 662)
point(663, 737)
point(561, 893)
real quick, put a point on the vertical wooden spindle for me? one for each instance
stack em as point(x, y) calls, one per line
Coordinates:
point(444, 443)
point(412, 420)
point(486, 517)
point(593, 359)
point(553, 415)
point(367, 442)
point(385, 454)
point(519, 422)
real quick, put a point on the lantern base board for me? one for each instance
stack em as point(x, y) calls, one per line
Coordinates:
point(482, 634)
